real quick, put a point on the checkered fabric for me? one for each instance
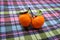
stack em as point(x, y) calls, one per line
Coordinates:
point(10, 29)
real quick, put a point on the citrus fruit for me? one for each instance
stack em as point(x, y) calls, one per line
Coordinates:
point(25, 19)
point(37, 22)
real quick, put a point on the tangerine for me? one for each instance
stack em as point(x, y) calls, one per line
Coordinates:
point(37, 22)
point(25, 19)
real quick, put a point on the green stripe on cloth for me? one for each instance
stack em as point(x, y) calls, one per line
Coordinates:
point(21, 38)
point(17, 38)
point(46, 9)
point(31, 32)
point(49, 34)
point(33, 37)
point(37, 36)
point(10, 39)
point(58, 31)
point(41, 35)
point(27, 37)
point(55, 32)
point(6, 12)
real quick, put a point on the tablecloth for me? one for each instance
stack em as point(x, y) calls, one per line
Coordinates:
point(10, 29)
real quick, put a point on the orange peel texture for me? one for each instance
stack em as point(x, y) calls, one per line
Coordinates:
point(25, 19)
point(37, 22)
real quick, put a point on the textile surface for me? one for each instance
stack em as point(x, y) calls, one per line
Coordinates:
point(10, 29)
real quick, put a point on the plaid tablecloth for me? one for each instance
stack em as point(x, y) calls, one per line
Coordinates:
point(10, 29)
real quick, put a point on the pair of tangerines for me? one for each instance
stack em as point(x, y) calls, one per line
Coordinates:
point(26, 20)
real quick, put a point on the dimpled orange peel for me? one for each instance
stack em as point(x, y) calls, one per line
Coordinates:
point(25, 19)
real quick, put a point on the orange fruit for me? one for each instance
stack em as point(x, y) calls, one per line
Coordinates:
point(25, 19)
point(37, 22)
